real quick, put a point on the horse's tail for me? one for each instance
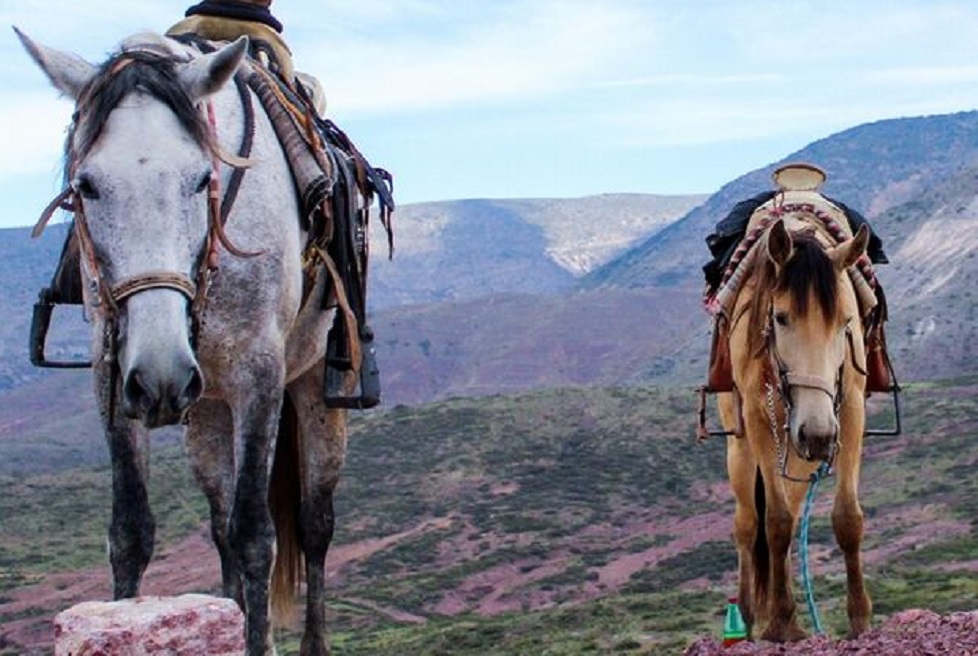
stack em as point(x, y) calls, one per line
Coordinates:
point(762, 554)
point(284, 496)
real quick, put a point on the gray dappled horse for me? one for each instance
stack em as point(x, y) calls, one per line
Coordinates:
point(236, 355)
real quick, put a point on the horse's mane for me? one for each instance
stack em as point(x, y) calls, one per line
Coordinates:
point(149, 68)
point(808, 273)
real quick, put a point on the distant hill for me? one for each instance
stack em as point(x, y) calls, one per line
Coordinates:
point(457, 250)
point(489, 296)
point(25, 266)
point(514, 342)
point(638, 318)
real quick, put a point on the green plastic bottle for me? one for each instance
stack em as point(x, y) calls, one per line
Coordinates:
point(734, 628)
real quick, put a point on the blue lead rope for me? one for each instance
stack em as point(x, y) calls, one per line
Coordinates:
point(822, 471)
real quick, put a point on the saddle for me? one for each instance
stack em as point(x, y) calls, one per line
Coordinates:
point(335, 186)
point(798, 192)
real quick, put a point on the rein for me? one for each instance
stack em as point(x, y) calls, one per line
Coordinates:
point(823, 470)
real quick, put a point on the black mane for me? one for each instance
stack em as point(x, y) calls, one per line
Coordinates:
point(809, 271)
point(126, 73)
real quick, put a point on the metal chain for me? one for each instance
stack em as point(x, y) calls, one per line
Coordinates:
point(782, 454)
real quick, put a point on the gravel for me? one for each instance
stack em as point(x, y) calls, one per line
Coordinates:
point(909, 633)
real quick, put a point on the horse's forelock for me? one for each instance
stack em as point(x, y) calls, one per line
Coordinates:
point(809, 273)
point(152, 71)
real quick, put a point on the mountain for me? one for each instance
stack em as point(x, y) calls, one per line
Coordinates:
point(932, 280)
point(915, 178)
point(465, 249)
point(25, 266)
point(872, 168)
point(488, 296)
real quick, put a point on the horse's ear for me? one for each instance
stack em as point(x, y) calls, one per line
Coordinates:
point(68, 73)
point(845, 254)
point(779, 243)
point(206, 74)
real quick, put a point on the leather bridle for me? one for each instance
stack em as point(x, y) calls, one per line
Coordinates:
point(779, 381)
point(111, 294)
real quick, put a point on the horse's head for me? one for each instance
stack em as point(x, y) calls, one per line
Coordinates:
point(139, 160)
point(803, 319)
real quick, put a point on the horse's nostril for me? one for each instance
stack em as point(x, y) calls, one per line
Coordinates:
point(157, 400)
point(193, 389)
point(136, 394)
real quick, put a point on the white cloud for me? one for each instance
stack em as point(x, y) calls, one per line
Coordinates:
point(695, 80)
point(516, 51)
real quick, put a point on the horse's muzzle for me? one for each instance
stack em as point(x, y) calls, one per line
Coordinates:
point(816, 444)
point(161, 401)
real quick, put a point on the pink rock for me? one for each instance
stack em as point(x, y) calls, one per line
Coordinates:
point(913, 616)
point(188, 625)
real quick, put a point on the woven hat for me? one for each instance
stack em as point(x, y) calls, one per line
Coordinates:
point(799, 176)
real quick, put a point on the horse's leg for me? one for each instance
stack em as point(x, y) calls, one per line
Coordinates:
point(779, 523)
point(742, 471)
point(210, 446)
point(132, 529)
point(323, 453)
point(251, 534)
point(847, 521)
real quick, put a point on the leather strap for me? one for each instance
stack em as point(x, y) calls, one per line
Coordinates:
point(153, 280)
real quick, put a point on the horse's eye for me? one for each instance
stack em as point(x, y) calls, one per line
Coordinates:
point(84, 187)
point(204, 183)
point(781, 318)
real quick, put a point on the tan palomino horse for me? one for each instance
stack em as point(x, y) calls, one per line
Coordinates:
point(796, 346)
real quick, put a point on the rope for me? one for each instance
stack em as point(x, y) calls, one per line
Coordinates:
point(820, 473)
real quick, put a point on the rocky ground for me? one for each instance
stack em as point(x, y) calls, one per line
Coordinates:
point(909, 633)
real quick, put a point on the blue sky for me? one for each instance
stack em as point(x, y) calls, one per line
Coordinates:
point(547, 98)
